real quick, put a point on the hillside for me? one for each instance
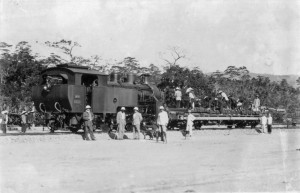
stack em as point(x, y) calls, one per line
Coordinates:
point(291, 79)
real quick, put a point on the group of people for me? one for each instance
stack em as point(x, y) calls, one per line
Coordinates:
point(255, 106)
point(266, 123)
point(88, 116)
point(189, 92)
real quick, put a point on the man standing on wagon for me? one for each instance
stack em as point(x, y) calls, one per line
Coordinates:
point(256, 104)
point(88, 117)
point(121, 121)
point(178, 96)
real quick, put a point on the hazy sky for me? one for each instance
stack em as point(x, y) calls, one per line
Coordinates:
point(261, 35)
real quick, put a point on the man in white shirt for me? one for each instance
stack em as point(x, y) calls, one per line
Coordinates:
point(192, 98)
point(178, 96)
point(137, 119)
point(121, 121)
point(224, 95)
point(256, 104)
point(162, 121)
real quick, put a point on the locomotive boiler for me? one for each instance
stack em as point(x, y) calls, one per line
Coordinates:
point(65, 90)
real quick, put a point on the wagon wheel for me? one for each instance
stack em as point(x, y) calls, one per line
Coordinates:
point(129, 127)
point(52, 127)
point(74, 129)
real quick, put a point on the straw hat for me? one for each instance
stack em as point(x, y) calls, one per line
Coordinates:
point(161, 108)
point(123, 108)
point(88, 107)
point(135, 108)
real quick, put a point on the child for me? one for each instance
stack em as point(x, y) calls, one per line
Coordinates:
point(269, 123)
point(263, 122)
point(190, 123)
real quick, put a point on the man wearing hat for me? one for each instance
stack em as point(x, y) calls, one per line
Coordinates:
point(178, 96)
point(121, 121)
point(137, 119)
point(88, 117)
point(162, 121)
point(192, 98)
point(223, 95)
point(256, 103)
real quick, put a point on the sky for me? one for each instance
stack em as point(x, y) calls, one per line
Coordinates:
point(212, 34)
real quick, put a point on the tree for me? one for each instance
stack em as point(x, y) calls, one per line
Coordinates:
point(67, 47)
point(20, 73)
point(298, 81)
point(173, 55)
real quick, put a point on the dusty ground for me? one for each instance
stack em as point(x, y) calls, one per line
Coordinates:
point(213, 160)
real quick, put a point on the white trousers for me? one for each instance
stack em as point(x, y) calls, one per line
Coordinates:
point(189, 127)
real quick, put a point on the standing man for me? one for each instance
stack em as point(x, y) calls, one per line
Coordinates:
point(33, 110)
point(88, 117)
point(256, 104)
point(121, 121)
point(178, 96)
point(192, 98)
point(162, 121)
point(263, 122)
point(24, 123)
point(269, 123)
point(137, 119)
point(4, 120)
point(190, 123)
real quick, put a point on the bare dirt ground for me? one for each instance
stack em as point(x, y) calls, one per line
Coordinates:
point(211, 161)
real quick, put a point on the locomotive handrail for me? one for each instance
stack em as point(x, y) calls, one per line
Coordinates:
point(44, 111)
point(55, 106)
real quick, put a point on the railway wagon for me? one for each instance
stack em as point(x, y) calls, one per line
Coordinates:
point(65, 90)
point(203, 116)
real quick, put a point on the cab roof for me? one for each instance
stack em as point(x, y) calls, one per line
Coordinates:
point(73, 69)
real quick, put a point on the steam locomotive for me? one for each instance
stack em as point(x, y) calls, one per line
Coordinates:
point(65, 90)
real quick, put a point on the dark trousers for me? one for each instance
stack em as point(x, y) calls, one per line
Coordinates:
point(88, 129)
point(178, 103)
point(269, 128)
point(24, 127)
point(3, 127)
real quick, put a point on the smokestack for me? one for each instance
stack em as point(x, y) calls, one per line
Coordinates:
point(114, 77)
point(146, 78)
point(130, 78)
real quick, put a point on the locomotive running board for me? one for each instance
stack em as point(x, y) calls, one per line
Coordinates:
point(227, 118)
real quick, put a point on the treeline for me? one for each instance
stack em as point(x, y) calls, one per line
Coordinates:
point(19, 69)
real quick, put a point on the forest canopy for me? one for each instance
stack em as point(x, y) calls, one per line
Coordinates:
point(20, 67)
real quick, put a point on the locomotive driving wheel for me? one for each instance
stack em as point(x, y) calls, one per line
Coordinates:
point(52, 127)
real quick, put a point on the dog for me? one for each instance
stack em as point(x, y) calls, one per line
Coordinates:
point(113, 134)
point(154, 131)
point(185, 133)
point(162, 135)
point(150, 130)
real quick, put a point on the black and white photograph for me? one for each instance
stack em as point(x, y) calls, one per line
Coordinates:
point(140, 96)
